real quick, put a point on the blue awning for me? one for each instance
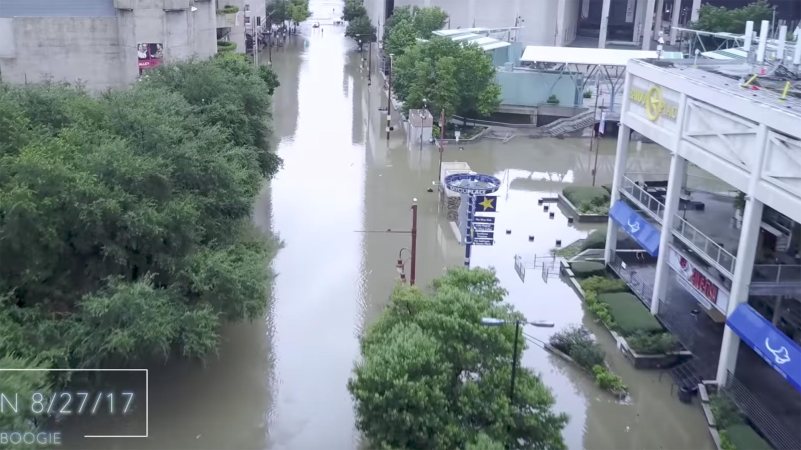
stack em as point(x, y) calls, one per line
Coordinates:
point(779, 351)
point(636, 226)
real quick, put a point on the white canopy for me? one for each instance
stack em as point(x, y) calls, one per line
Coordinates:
point(590, 56)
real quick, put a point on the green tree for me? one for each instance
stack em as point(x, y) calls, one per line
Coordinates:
point(407, 24)
point(127, 215)
point(360, 29)
point(459, 78)
point(353, 9)
point(299, 11)
point(722, 19)
point(432, 376)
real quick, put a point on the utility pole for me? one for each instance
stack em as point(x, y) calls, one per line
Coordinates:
point(413, 233)
point(370, 62)
point(594, 132)
point(255, 42)
point(441, 143)
point(389, 98)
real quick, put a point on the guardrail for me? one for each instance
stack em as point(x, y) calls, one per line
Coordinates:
point(722, 259)
point(641, 289)
point(776, 273)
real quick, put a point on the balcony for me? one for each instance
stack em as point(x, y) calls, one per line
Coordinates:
point(774, 279)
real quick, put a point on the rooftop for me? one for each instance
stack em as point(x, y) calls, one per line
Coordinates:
point(59, 8)
point(589, 56)
point(728, 78)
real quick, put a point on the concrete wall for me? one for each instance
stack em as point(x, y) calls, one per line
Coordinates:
point(529, 88)
point(72, 49)
point(101, 52)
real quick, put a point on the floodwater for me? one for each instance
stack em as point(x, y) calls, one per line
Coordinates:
point(280, 383)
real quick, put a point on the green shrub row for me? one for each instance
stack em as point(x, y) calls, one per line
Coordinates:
point(621, 311)
point(225, 46)
point(228, 9)
point(588, 200)
point(609, 381)
point(735, 433)
point(586, 269)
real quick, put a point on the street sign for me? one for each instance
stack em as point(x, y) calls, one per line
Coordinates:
point(483, 235)
point(484, 226)
point(484, 219)
point(480, 241)
point(486, 203)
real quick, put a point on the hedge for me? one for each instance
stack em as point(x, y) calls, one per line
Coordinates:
point(228, 9)
point(225, 46)
point(586, 269)
point(588, 200)
point(595, 240)
point(629, 314)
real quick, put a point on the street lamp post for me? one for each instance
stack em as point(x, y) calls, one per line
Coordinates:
point(413, 251)
point(493, 322)
point(441, 143)
point(389, 97)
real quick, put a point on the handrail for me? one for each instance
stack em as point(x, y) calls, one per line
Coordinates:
point(776, 273)
point(722, 259)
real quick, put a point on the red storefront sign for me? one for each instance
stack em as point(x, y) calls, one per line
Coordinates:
point(702, 283)
point(699, 282)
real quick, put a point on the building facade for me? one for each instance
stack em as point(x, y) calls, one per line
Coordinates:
point(736, 258)
point(101, 44)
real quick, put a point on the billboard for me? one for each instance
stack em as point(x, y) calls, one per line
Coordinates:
point(149, 55)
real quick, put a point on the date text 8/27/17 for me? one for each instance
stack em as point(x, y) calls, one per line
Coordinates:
point(68, 403)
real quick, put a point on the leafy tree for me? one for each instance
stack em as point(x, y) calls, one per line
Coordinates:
point(360, 29)
point(299, 11)
point(278, 11)
point(353, 9)
point(722, 19)
point(450, 75)
point(432, 376)
point(127, 216)
point(409, 23)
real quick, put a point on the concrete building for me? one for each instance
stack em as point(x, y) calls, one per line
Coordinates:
point(103, 44)
point(722, 272)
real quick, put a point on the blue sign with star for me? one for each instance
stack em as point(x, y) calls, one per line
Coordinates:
point(486, 203)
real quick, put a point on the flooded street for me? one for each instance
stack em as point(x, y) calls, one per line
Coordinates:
point(280, 383)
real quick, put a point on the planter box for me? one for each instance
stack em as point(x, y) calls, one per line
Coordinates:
point(580, 217)
point(639, 361)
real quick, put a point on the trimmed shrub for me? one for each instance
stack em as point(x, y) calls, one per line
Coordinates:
point(577, 343)
point(608, 380)
point(602, 285)
point(595, 240)
point(725, 411)
point(652, 344)
point(225, 46)
point(586, 269)
point(629, 314)
point(228, 9)
point(588, 200)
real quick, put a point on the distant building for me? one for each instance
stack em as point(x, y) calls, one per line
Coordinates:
point(103, 44)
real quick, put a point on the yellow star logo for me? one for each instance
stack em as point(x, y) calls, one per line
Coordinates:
point(487, 204)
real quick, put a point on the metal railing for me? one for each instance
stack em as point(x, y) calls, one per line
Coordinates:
point(645, 200)
point(700, 243)
point(776, 273)
point(782, 434)
point(640, 288)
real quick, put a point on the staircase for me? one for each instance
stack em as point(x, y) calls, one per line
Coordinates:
point(565, 126)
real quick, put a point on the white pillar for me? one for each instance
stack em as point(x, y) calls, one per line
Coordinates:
point(743, 268)
point(749, 35)
point(752, 218)
point(675, 13)
point(678, 168)
point(777, 310)
point(782, 43)
point(694, 11)
point(604, 24)
point(639, 18)
point(648, 30)
point(559, 35)
point(621, 155)
point(660, 7)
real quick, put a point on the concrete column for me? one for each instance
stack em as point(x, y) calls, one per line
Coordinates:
point(746, 252)
point(621, 155)
point(752, 218)
point(678, 168)
point(660, 6)
point(694, 11)
point(675, 13)
point(639, 19)
point(604, 24)
point(559, 38)
point(648, 30)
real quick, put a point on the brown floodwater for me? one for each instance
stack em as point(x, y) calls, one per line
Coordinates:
point(280, 382)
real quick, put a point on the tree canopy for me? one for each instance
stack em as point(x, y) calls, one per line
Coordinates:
point(409, 23)
point(360, 29)
point(279, 11)
point(459, 78)
point(125, 218)
point(432, 376)
point(353, 9)
point(721, 19)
